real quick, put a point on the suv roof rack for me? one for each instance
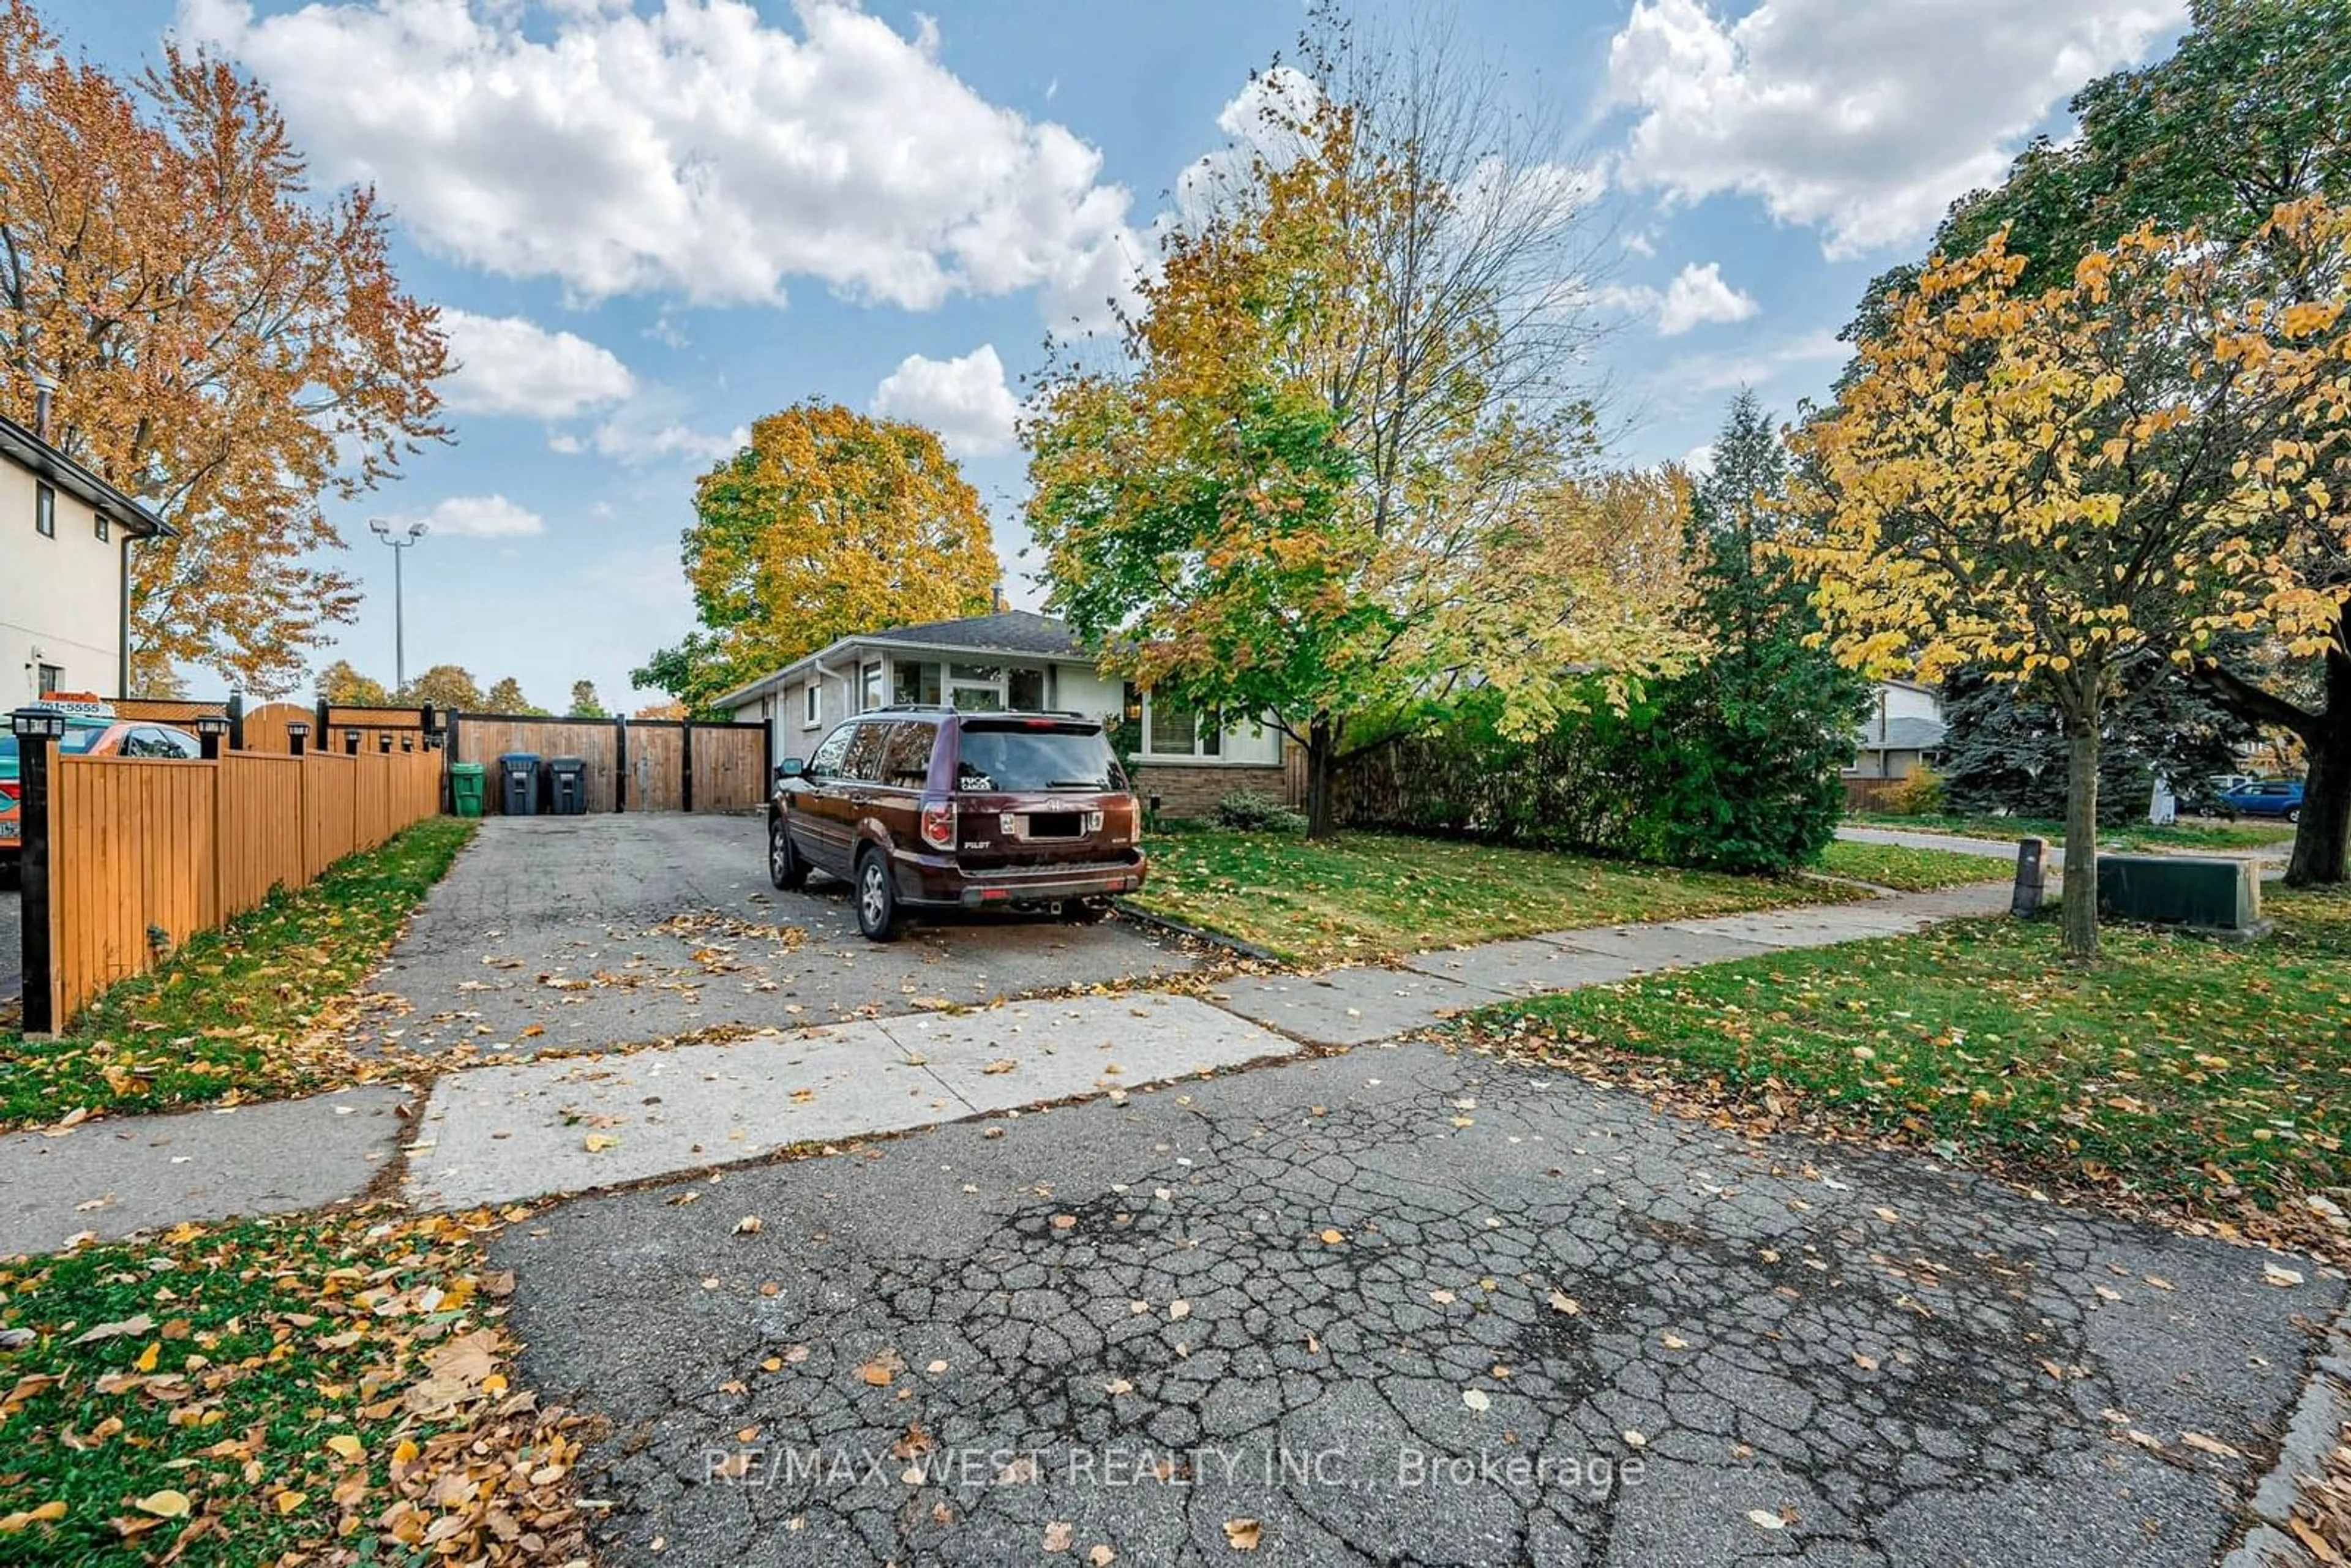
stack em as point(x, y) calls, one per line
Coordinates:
point(905, 707)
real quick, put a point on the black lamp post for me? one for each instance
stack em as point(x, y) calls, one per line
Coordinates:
point(210, 727)
point(296, 734)
point(37, 730)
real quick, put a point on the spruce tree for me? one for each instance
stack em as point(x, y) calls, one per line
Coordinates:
point(1751, 744)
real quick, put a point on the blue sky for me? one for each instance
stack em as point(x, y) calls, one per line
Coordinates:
point(652, 221)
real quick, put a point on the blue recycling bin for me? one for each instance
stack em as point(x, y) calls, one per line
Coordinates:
point(519, 783)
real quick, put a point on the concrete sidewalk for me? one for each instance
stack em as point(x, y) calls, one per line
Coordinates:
point(1957, 844)
point(572, 1124)
point(112, 1178)
point(500, 1133)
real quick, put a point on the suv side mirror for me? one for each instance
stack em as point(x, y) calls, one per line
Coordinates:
point(790, 768)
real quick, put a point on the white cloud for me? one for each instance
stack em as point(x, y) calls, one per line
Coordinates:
point(509, 365)
point(1697, 296)
point(1863, 120)
point(477, 516)
point(1707, 374)
point(695, 148)
point(1266, 120)
point(965, 399)
point(648, 428)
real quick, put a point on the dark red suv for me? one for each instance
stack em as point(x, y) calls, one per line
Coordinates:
point(929, 807)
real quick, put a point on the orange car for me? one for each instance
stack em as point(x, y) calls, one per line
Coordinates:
point(85, 736)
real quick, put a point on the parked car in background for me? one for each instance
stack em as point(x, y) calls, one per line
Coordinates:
point(935, 807)
point(88, 734)
point(2266, 798)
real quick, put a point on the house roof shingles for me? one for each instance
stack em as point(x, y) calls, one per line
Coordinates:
point(1005, 632)
point(1020, 631)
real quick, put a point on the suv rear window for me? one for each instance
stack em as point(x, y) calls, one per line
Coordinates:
point(1020, 757)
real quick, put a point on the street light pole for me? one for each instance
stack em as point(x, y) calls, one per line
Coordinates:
point(399, 619)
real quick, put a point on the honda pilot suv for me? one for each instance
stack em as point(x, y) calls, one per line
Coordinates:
point(933, 808)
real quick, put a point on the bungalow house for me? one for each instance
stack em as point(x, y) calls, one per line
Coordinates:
point(65, 572)
point(1015, 659)
point(1904, 731)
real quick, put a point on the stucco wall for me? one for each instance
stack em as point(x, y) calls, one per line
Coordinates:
point(60, 599)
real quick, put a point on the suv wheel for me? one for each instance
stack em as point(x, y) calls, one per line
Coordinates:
point(2293, 814)
point(1085, 911)
point(785, 867)
point(877, 899)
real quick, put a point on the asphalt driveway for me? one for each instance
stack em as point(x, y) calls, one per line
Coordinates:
point(1399, 1307)
point(586, 931)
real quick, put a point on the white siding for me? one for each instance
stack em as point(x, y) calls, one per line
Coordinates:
point(60, 599)
point(1896, 700)
point(1081, 688)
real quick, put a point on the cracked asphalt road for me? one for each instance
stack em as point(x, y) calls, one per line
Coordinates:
point(606, 930)
point(1894, 1363)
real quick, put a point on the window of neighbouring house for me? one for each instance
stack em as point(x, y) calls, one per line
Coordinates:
point(45, 510)
point(811, 696)
point(51, 678)
point(868, 687)
point(1025, 690)
point(914, 684)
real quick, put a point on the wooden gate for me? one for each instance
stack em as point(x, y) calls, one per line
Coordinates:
point(632, 764)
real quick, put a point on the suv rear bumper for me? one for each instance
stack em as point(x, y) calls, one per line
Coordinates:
point(939, 880)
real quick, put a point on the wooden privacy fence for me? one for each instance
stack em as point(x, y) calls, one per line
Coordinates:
point(142, 854)
point(632, 764)
point(1870, 794)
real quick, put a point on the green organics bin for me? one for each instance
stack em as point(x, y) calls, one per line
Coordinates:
point(467, 781)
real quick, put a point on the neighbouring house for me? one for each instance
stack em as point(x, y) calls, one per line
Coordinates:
point(1017, 659)
point(65, 572)
point(1904, 731)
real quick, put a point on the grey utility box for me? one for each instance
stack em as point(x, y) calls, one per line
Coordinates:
point(519, 783)
point(567, 785)
point(2208, 893)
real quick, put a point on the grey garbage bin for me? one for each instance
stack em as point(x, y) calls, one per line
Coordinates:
point(519, 783)
point(567, 785)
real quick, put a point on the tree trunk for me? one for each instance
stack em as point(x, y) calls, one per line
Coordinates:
point(1321, 769)
point(2081, 870)
point(2322, 841)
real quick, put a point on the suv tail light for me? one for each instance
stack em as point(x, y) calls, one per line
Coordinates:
point(939, 824)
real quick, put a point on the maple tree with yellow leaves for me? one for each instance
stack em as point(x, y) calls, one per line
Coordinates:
point(829, 523)
point(225, 348)
point(2078, 489)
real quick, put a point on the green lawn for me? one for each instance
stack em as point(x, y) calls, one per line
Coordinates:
point(271, 1390)
point(1908, 870)
point(2200, 835)
point(228, 1017)
point(1370, 895)
point(2190, 1070)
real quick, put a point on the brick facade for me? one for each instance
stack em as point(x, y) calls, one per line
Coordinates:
point(1191, 792)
